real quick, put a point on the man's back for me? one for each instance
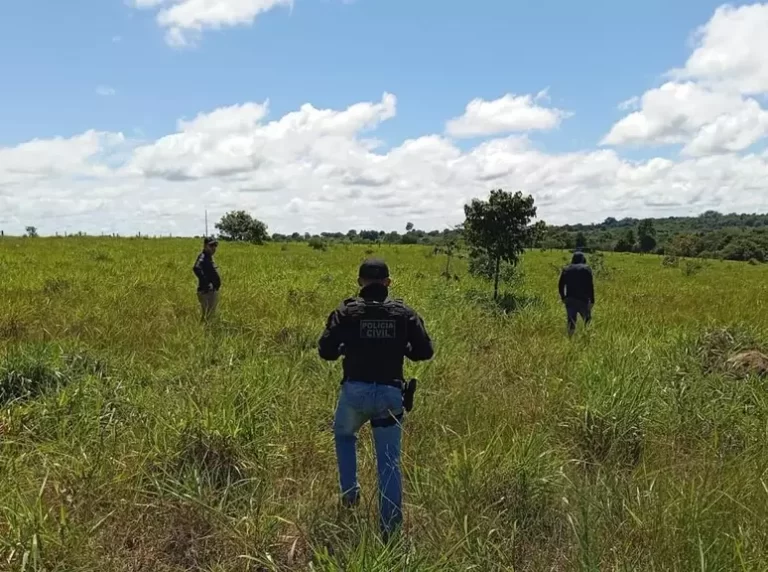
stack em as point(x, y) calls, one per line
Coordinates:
point(207, 273)
point(576, 281)
point(375, 333)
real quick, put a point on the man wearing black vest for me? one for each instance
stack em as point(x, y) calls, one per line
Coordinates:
point(208, 279)
point(374, 333)
point(577, 291)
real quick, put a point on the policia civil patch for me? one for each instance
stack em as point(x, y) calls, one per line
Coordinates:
point(378, 329)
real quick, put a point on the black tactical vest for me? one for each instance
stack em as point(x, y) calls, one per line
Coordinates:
point(376, 335)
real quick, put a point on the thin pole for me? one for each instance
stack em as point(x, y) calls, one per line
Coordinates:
point(206, 222)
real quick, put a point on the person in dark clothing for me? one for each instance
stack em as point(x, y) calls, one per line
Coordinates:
point(208, 279)
point(374, 333)
point(577, 291)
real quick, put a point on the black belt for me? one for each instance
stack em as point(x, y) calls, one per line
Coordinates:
point(391, 383)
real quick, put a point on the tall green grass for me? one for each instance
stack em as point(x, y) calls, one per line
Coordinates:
point(132, 438)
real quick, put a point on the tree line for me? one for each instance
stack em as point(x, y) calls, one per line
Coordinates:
point(742, 237)
point(713, 235)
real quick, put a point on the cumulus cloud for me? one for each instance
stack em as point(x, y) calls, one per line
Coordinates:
point(184, 19)
point(317, 169)
point(705, 121)
point(707, 107)
point(507, 114)
point(731, 50)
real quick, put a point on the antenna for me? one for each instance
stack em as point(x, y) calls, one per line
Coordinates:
point(206, 222)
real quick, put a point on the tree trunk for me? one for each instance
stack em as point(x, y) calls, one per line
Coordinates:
point(496, 279)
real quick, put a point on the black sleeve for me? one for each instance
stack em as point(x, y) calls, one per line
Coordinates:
point(591, 288)
point(198, 268)
point(419, 346)
point(561, 285)
point(329, 345)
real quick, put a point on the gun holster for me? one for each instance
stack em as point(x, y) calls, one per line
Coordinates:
point(409, 389)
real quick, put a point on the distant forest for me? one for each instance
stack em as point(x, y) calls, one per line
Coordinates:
point(709, 235)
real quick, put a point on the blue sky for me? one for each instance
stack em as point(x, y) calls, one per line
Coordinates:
point(434, 57)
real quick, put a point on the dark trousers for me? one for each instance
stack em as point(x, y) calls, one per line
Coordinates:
point(575, 308)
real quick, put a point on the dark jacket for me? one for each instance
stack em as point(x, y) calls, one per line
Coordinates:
point(576, 280)
point(207, 273)
point(374, 333)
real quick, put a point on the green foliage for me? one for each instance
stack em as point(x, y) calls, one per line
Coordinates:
point(626, 243)
point(499, 229)
point(709, 235)
point(646, 235)
point(484, 267)
point(241, 226)
point(317, 243)
point(450, 247)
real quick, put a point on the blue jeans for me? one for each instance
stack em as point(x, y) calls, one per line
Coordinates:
point(382, 405)
point(575, 308)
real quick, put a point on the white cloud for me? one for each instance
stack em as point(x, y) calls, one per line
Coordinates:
point(731, 50)
point(317, 169)
point(707, 108)
point(631, 103)
point(182, 18)
point(705, 121)
point(504, 115)
point(105, 91)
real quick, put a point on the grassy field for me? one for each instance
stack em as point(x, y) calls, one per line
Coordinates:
point(131, 439)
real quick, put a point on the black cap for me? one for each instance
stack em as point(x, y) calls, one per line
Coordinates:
point(210, 240)
point(374, 269)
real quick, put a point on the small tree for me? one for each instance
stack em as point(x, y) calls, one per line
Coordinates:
point(683, 245)
point(581, 241)
point(646, 235)
point(31, 232)
point(626, 243)
point(242, 227)
point(500, 229)
point(450, 246)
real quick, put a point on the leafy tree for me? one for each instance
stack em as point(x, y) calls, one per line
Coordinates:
point(242, 227)
point(581, 241)
point(500, 229)
point(31, 232)
point(317, 243)
point(371, 235)
point(646, 235)
point(409, 227)
point(392, 237)
point(684, 245)
point(626, 243)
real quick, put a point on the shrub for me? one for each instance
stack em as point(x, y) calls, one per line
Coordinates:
point(317, 243)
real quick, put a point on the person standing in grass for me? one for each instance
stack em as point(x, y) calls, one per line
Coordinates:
point(577, 291)
point(374, 333)
point(208, 279)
